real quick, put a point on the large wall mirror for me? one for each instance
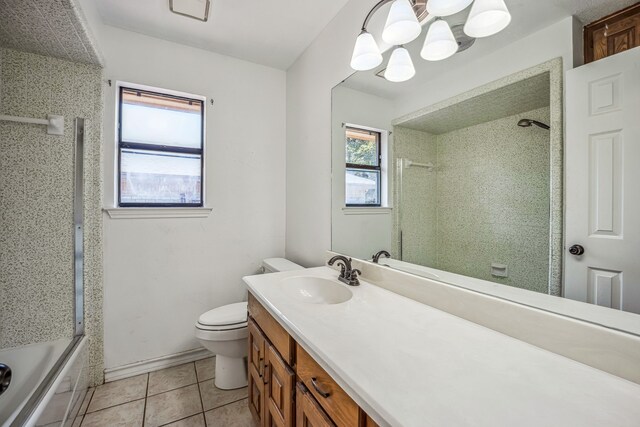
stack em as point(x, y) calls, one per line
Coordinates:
point(522, 180)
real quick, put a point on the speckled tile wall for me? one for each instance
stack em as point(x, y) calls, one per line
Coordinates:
point(486, 202)
point(493, 201)
point(415, 193)
point(554, 70)
point(36, 202)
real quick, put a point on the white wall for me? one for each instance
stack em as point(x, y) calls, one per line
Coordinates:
point(359, 234)
point(323, 65)
point(161, 274)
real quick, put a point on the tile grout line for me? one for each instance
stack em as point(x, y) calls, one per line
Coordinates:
point(201, 402)
point(195, 368)
point(86, 410)
point(146, 396)
point(177, 388)
point(226, 404)
point(113, 406)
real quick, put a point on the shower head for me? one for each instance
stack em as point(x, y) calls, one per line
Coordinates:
point(525, 123)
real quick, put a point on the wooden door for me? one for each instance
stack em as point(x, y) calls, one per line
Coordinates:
point(308, 411)
point(602, 176)
point(279, 385)
point(613, 34)
point(256, 363)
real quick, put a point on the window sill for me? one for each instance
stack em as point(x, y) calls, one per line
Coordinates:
point(151, 213)
point(366, 211)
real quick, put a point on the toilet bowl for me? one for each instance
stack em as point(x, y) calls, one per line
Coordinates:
point(224, 332)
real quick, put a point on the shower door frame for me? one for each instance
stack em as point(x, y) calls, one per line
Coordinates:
point(78, 265)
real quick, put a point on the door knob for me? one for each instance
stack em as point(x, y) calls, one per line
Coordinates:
point(576, 250)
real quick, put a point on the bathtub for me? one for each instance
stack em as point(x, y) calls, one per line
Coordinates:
point(30, 365)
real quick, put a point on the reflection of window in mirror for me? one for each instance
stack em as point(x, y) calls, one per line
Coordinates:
point(365, 175)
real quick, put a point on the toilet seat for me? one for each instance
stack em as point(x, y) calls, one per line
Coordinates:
point(225, 323)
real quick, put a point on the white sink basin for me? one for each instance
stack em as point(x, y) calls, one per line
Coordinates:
point(316, 290)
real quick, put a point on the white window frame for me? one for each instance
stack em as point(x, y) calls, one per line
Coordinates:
point(118, 212)
point(385, 206)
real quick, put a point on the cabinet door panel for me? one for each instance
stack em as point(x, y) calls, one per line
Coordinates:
point(308, 411)
point(256, 348)
point(256, 397)
point(279, 383)
point(256, 372)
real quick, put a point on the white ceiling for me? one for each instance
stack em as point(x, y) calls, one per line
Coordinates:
point(528, 16)
point(268, 32)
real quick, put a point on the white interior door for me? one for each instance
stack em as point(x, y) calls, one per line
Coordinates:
point(603, 182)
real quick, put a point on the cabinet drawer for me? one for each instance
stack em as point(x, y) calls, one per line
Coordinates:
point(272, 329)
point(308, 412)
point(335, 401)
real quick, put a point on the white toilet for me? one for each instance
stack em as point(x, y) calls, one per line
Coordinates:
point(223, 331)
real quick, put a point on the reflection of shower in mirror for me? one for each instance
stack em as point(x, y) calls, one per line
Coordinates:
point(430, 167)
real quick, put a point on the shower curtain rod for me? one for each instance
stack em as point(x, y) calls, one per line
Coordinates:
point(55, 124)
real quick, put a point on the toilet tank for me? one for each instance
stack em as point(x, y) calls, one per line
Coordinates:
point(275, 265)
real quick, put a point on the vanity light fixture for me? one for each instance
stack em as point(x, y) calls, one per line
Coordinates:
point(440, 42)
point(400, 67)
point(486, 18)
point(366, 53)
point(447, 7)
point(402, 24)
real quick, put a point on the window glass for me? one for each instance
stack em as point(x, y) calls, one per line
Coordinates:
point(160, 149)
point(150, 118)
point(362, 147)
point(362, 187)
point(158, 177)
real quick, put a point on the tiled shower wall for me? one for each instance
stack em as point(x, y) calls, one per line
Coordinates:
point(36, 202)
point(415, 193)
point(491, 200)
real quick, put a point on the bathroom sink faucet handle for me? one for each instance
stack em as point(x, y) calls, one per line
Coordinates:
point(354, 276)
point(376, 257)
point(347, 274)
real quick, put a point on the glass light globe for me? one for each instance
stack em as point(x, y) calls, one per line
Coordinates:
point(440, 42)
point(487, 17)
point(366, 53)
point(447, 7)
point(400, 67)
point(402, 24)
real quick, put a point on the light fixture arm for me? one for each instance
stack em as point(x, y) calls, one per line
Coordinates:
point(377, 7)
point(372, 12)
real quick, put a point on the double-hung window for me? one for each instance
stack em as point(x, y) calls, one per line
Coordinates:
point(160, 149)
point(363, 168)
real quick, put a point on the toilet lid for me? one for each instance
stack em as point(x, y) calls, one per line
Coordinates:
point(227, 315)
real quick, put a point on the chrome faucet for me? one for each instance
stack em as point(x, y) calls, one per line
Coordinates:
point(348, 275)
point(376, 257)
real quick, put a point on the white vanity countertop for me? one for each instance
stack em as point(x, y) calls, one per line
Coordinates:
point(408, 364)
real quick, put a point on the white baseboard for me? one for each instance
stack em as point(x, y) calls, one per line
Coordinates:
point(156, 364)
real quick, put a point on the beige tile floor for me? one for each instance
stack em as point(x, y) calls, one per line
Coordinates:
point(182, 396)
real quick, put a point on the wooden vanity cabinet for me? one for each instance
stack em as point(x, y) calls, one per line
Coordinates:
point(333, 399)
point(256, 365)
point(308, 411)
point(274, 397)
point(279, 383)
